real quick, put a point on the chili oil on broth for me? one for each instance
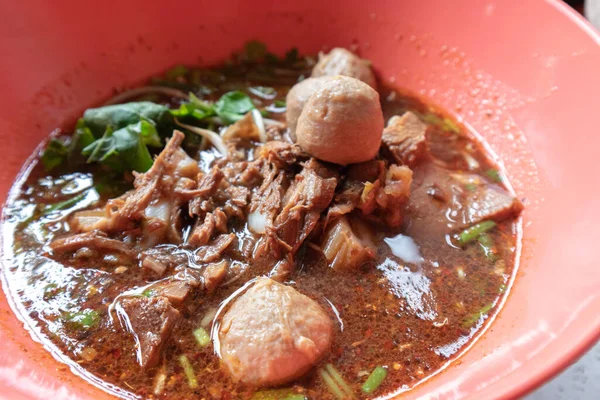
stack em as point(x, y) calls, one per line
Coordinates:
point(411, 317)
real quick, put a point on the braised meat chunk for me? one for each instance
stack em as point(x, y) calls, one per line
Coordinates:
point(404, 139)
point(489, 203)
point(151, 322)
point(348, 244)
point(154, 203)
point(308, 196)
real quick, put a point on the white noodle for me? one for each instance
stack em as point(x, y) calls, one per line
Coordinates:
point(278, 124)
point(260, 124)
point(211, 136)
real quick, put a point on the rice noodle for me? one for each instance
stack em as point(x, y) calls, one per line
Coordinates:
point(270, 121)
point(128, 94)
point(211, 136)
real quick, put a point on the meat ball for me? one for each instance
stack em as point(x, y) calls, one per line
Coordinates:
point(341, 122)
point(343, 62)
point(297, 97)
point(273, 334)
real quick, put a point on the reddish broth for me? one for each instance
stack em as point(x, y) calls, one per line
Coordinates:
point(411, 318)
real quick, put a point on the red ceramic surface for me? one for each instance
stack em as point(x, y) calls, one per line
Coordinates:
point(521, 73)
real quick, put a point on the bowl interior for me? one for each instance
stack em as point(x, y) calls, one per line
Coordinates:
point(529, 91)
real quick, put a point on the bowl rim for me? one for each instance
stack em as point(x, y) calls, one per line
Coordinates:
point(588, 339)
point(585, 340)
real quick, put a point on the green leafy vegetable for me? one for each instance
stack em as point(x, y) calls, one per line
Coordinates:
point(292, 55)
point(473, 232)
point(82, 137)
point(195, 108)
point(202, 337)
point(55, 154)
point(233, 105)
point(121, 115)
point(476, 317)
point(271, 58)
point(188, 370)
point(374, 380)
point(494, 175)
point(206, 75)
point(280, 103)
point(58, 152)
point(117, 136)
point(84, 319)
point(126, 148)
point(176, 72)
point(255, 50)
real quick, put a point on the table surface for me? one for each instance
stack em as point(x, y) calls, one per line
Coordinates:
point(581, 381)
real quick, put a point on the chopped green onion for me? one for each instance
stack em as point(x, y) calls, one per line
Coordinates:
point(374, 380)
point(279, 103)
point(84, 319)
point(471, 187)
point(494, 175)
point(430, 118)
point(189, 371)
point(150, 292)
point(476, 317)
point(331, 385)
point(65, 204)
point(50, 291)
point(473, 232)
point(336, 383)
point(278, 394)
point(335, 374)
point(450, 125)
point(202, 337)
point(487, 244)
point(443, 123)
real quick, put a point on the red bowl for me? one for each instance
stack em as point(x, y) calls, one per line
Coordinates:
point(521, 74)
